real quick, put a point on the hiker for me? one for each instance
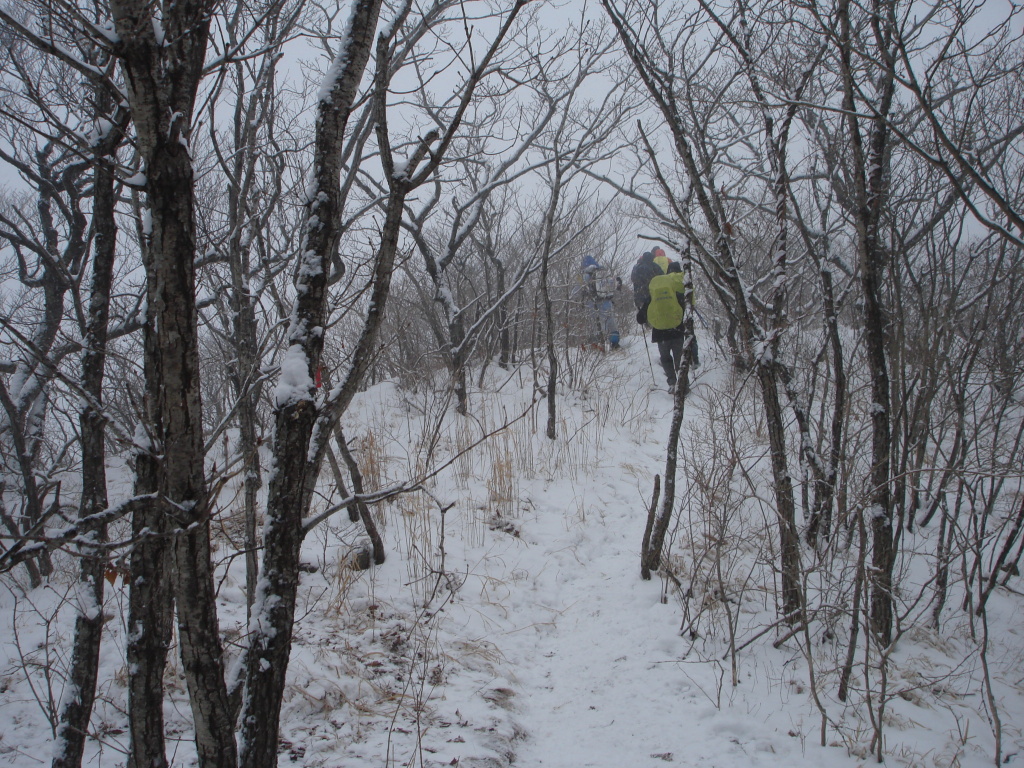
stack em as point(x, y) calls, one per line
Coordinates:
point(644, 269)
point(663, 311)
point(658, 259)
point(599, 288)
point(661, 259)
point(649, 265)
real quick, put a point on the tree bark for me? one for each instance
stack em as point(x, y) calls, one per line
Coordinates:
point(77, 703)
point(789, 537)
point(645, 545)
point(163, 58)
point(550, 430)
point(150, 602)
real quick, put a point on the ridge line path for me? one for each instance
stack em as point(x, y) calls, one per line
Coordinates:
point(599, 674)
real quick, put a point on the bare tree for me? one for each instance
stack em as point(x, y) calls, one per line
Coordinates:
point(251, 154)
point(77, 702)
point(73, 232)
point(962, 69)
point(162, 52)
point(553, 84)
point(661, 47)
point(303, 428)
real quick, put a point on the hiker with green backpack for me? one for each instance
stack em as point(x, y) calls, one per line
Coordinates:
point(663, 311)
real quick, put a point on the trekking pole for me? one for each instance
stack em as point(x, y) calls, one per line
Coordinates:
point(699, 316)
point(650, 361)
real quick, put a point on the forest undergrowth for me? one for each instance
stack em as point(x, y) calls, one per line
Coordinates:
point(510, 612)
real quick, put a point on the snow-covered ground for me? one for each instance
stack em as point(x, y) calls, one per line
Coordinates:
point(514, 629)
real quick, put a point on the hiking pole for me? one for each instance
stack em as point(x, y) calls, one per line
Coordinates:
point(699, 316)
point(650, 361)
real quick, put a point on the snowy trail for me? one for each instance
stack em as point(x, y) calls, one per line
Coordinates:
point(591, 681)
point(602, 681)
point(601, 675)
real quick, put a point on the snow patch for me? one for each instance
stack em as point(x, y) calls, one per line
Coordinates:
point(295, 383)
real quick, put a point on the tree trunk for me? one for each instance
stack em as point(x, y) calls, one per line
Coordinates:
point(150, 608)
point(244, 372)
point(295, 472)
point(163, 60)
point(379, 553)
point(1001, 560)
point(869, 174)
point(825, 490)
point(858, 590)
point(789, 538)
point(550, 430)
point(652, 556)
point(290, 492)
point(77, 702)
point(645, 545)
point(459, 353)
point(502, 322)
point(941, 589)
point(182, 479)
point(274, 610)
point(302, 429)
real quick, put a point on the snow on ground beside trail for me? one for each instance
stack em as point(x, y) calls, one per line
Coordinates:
point(533, 641)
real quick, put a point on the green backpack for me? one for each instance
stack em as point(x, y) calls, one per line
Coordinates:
point(665, 312)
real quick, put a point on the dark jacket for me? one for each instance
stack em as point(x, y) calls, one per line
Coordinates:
point(645, 269)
